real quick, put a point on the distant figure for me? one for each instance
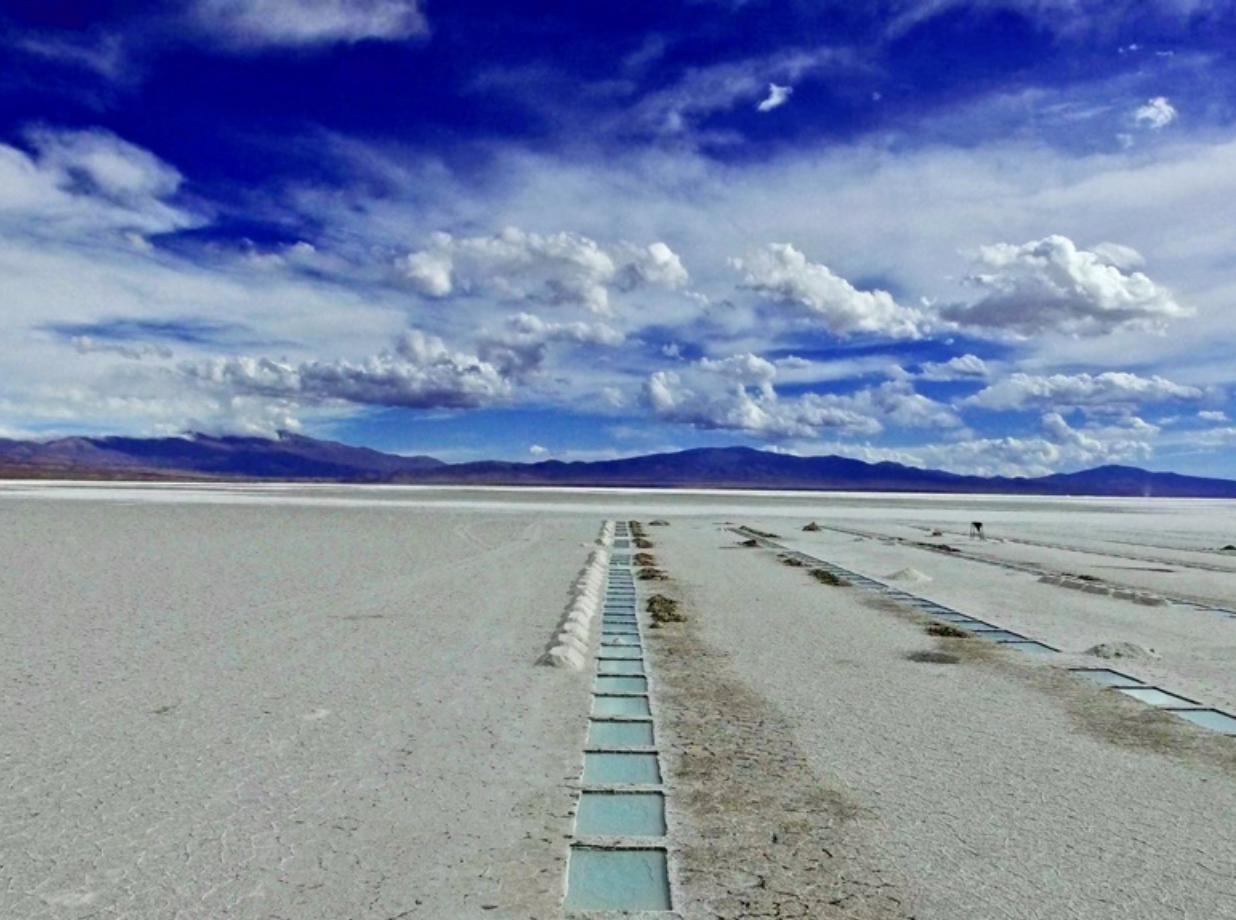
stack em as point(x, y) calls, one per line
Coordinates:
point(976, 529)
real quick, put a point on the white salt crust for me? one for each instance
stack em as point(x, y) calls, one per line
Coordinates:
point(571, 648)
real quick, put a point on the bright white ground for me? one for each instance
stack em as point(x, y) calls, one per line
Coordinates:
point(322, 702)
point(274, 710)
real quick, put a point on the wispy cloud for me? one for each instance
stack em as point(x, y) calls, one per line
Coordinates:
point(1104, 391)
point(777, 97)
point(304, 23)
point(701, 91)
point(85, 182)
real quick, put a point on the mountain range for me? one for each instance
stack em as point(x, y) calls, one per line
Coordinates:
point(293, 457)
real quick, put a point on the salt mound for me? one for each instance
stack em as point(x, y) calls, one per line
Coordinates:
point(1120, 650)
point(909, 575)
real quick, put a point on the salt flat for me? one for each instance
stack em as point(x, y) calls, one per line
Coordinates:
point(282, 710)
point(323, 701)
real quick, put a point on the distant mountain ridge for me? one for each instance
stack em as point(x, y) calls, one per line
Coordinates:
point(292, 457)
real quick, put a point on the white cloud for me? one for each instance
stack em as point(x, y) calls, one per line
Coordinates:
point(963, 367)
point(655, 264)
point(1122, 257)
point(81, 183)
point(557, 269)
point(1076, 19)
point(735, 408)
point(86, 345)
point(795, 370)
point(1211, 415)
point(101, 54)
point(1056, 447)
point(1156, 114)
point(299, 23)
point(1215, 437)
point(777, 97)
point(1111, 390)
point(737, 394)
point(520, 348)
point(1050, 285)
point(421, 372)
point(702, 91)
point(747, 370)
point(781, 273)
point(538, 451)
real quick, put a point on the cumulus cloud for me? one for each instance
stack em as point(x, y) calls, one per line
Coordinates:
point(1058, 446)
point(1055, 447)
point(655, 264)
point(519, 349)
point(1111, 390)
point(420, 372)
point(1050, 285)
point(737, 393)
point(777, 97)
point(963, 367)
point(301, 23)
point(559, 268)
point(1212, 415)
point(735, 408)
point(1156, 114)
point(781, 273)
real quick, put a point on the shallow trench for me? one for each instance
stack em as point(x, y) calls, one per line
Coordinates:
point(757, 833)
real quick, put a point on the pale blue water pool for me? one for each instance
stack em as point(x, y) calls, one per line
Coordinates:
point(620, 814)
point(610, 668)
point(618, 684)
point(1107, 677)
point(1209, 718)
point(1154, 696)
point(620, 706)
point(619, 769)
point(617, 880)
point(617, 734)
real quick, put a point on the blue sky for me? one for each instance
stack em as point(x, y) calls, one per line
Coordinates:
point(986, 237)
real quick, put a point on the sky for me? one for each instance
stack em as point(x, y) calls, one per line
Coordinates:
point(988, 237)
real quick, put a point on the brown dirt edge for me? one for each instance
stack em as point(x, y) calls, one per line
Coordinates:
point(754, 831)
point(1090, 708)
